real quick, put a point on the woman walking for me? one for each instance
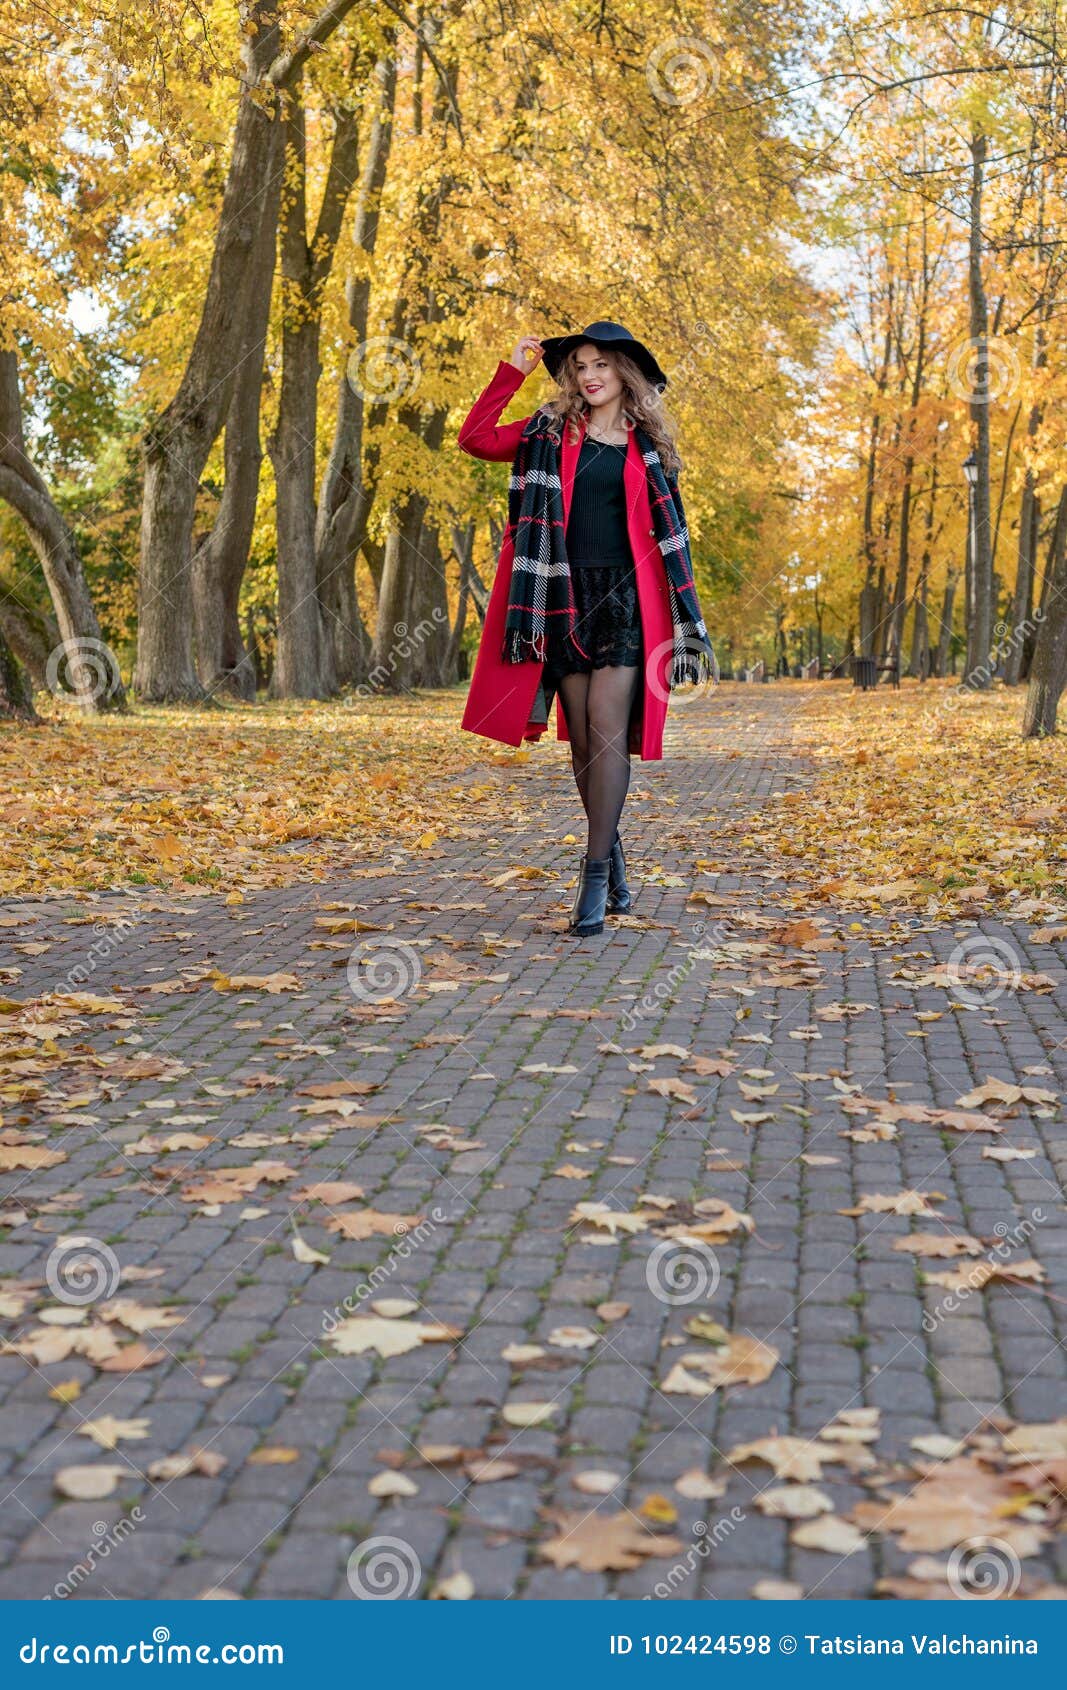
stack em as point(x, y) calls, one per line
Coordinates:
point(593, 598)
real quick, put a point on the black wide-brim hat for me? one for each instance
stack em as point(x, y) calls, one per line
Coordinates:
point(611, 335)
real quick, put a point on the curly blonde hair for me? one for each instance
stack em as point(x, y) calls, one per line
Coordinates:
point(642, 404)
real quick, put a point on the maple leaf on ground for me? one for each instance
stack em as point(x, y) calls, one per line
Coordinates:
point(206, 1461)
point(272, 983)
point(829, 1533)
point(1035, 1441)
point(793, 1502)
point(598, 1543)
point(673, 1087)
point(107, 1431)
point(338, 1088)
point(975, 1276)
point(328, 1191)
point(1007, 1092)
point(903, 1203)
point(960, 1499)
point(139, 1317)
point(938, 1244)
point(742, 1360)
point(791, 1458)
point(609, 1220)
point(370, 1223)
point(90, 1483)
point(389, 1337)
point(30, 1157)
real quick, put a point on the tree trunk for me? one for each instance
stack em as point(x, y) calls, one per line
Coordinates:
point(463, 546)
point(1020, 650)
point(347, 494)
point(392, 657)
point(1048, 671)
point(303, 667)
point(947, 610)
point(1023, 597)
point(31, 636)
point(869, 600)
point(923, 661)
point(980, 629)
point(220, 560)
point(81, 663)
point(178, 443)
point(16, 695)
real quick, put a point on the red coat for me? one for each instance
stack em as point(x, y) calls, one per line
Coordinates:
point(501, 695)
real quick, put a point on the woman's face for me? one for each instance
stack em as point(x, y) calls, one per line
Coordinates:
point(598, 378)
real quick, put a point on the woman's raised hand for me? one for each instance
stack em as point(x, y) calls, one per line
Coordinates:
point(527, 354)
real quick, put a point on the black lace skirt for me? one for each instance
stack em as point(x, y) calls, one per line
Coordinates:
point(608, 625)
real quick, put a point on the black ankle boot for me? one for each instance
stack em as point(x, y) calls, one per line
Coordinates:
point(619, 900)
point(587, 916)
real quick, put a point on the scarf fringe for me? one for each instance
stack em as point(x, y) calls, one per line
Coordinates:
point(694, 666)
point(519, 647)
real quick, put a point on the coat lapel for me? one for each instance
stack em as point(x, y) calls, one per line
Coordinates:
point(568, 464)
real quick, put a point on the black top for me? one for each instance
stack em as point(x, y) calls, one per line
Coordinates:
point(596, 526)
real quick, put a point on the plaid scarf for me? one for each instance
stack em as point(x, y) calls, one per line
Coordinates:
point(540, 574)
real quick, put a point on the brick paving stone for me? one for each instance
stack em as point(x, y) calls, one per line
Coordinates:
point(252, 1367)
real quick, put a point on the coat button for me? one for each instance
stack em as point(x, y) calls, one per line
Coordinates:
point(652, 533)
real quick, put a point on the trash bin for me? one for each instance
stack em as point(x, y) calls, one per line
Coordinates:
point(864, 672)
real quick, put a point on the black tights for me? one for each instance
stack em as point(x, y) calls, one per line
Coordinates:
point(597, 708)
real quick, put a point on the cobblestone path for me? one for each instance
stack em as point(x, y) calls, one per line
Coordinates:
point(493, 1051)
